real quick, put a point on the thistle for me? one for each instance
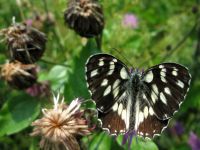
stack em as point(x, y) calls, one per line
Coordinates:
point(60, 126)
point(85, 17)
point(25, 43)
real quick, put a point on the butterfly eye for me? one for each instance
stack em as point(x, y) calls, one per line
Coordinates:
point(133, 100)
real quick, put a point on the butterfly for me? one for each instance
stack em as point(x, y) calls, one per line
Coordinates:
point(134, 100)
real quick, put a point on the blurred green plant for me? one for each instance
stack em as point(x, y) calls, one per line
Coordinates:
point(166, 31)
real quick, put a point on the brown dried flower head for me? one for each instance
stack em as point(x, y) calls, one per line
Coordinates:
point(25, 43)
point(85, 17)
point(60, 126)
point(18, 75)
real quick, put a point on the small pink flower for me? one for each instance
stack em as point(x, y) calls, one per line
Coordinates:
point(194, 141)
point(130, 21)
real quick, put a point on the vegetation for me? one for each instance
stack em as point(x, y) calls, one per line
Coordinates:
point(139, 32)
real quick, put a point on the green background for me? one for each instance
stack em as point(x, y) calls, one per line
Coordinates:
point(168, 31)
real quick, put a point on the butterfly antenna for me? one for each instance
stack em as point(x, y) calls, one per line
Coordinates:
point(128, 62)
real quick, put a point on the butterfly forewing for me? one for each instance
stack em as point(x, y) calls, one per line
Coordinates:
point(106, 76)
point(166, 86)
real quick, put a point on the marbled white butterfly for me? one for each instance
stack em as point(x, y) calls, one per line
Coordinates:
point(142, 101)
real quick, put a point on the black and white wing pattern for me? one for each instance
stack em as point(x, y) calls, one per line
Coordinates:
point(106, 77)
point(139, 101)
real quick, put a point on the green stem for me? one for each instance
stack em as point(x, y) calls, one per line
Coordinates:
point(53, 63)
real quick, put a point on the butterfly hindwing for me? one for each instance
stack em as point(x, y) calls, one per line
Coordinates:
point(115, 120)
point(146, 123)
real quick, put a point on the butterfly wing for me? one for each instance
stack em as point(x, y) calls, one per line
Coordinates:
point(164, 89)
point(167, 85)
point(146, 123)
point(106, 78)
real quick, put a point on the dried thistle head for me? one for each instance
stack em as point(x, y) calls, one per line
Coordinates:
point(85, 17)
point(26, 44)
point(18, 75)
point(60, 126)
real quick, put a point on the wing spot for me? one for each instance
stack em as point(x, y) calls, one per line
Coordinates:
point(141, 117)
point(163, 79)
point(153, 97)
point(175, 69)
point(87, 84)
point(101, 63)
point(144, 96)
point(116, 83)
point(180, 84)
point(146, 112)
point(115, 107)
point(115, 60)
point(124, 115)
point(107, 91)
point(111, 68)
point(151, 112)
point(105, 82)
point(174, 72)
point(116, 92)
point(167, 91)
point(155, 89)
point(94, 73)
point(141, 133)
point(149, 77)
point(163, 72)
point(116, 88)
point(122, 96)
point(123, 73)
point(120, 109)
point(112, 63)
point(161, 66)
point(110, 72)
point(163, 98)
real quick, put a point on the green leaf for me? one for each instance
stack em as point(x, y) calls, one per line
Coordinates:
point(76, 85)
point(139, 143)
point(192, 100)
point(17, 113)
point(101, 141)
point(58, 75)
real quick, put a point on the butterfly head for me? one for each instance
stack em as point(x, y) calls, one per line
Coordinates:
point(135, 76)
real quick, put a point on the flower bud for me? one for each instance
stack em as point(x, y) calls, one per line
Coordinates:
point(85, 17)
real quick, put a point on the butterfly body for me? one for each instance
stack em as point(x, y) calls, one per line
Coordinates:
point(129, 99)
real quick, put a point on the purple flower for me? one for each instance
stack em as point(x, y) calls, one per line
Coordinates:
point(128, 137)
point(130, 21)
point(194, 141)
point(39, 89)
point(177, 129)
